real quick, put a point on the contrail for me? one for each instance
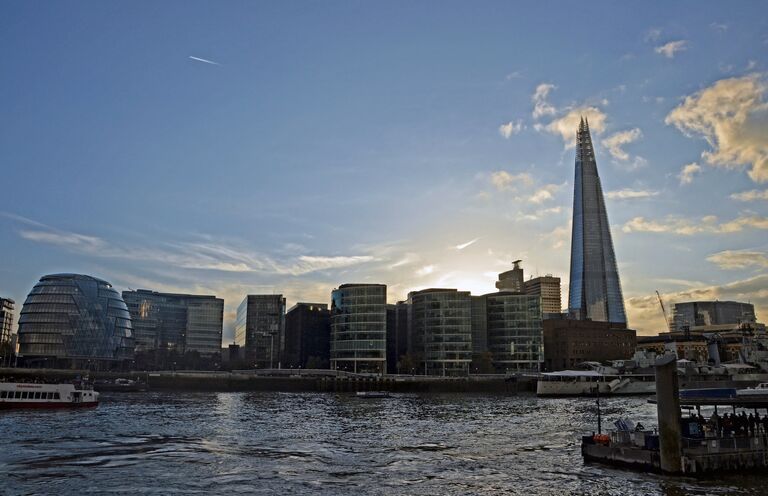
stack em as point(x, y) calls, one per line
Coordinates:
point(204, 60)
point(468, 243)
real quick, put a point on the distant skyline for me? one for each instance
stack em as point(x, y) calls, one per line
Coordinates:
point(291, 147)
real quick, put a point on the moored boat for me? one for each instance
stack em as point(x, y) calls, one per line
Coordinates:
point(373, 394)
point(760, 390)
point(590, 382)
point(34, 395)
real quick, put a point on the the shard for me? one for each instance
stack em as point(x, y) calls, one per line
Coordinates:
point(595, 290)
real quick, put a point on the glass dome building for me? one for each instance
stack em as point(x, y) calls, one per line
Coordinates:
point(73, 320)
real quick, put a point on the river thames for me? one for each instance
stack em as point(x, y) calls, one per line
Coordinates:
point(291, 443)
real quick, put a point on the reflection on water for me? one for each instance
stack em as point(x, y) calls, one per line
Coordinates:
point(245, 443)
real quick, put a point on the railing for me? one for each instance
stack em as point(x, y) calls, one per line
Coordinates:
point(718, 444)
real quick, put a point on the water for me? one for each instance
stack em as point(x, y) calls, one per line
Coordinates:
point(290, 443)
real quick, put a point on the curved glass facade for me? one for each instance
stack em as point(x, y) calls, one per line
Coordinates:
point(515, 335)
point(74, 320)
point(594, 288)
point(441, 326)
point(359, 328)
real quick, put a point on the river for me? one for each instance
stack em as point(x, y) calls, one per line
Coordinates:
point(324, 443)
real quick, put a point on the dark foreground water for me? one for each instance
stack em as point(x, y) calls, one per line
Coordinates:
point(286, 443)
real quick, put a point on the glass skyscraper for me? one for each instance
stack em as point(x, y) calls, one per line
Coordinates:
point(359, 328)
point(595, 290)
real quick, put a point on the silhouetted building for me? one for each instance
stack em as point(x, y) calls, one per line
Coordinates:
point(594, 291)
point(511, 280)
point(260, 329)
point(307, 336)
point(441, 326)
point(513, 323)
point(174, 322)
point(6, 331)
point(397, 337)
point(359, 328)
point(568, 342)
point(548, 288)
point(73, 320)
point(695, 314)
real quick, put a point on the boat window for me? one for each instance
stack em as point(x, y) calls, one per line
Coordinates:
point(37, 395)
point(3, 394)
point(24, 395)
point(56, 395)
point(49, 396)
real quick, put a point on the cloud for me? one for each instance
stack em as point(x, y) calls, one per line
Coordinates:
point(544, 193)
point(739, 259)
point(307, 264)
point(645, 315)
point(732, 117)
point(510, 128)
point(206, 61)
point(688, 227)
point(752, 195)
point(541, 106)
point(688, 172)
point(719, 26)
point(629, 194)
point(503, 180)
point(670, 49)
point(426, 270)
point(566, 125)
point(68, 239)
point(616, 141)
point(514, 75)
point(652, 34)
point(467, 244)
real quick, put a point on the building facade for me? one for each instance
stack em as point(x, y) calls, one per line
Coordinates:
point(174, 322)
point(260, 329)
point(695, 314)
point(548, 288)
point(515, 339)
point(594, 290)
point(7, 350)
point(77, 321)
point(359, 328)
point(307, 336)
point(512, 280)
point(568, 342)
point(441, 327)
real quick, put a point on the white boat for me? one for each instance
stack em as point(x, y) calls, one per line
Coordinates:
point(373, 394)
point(589, 382)
point(32, 395)
point(759, 390)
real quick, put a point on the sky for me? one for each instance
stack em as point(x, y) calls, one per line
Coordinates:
point(235, 148)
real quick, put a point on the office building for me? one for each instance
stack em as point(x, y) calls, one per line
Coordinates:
point(6, 331)
point(511, 280)
point(260, 329)
point(174, 322)
point(513, 323)
point(548, 288)
point(594, 290)
point(441, 327)
point(568, 342)
point(359, 328)
point(307, 336)
point(694, 315)
point(75, 321)
point(397, 337)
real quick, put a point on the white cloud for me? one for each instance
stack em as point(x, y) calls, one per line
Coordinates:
point(629, 194)
point(739, 259)
point(688, 172)
point(503, 180)
point(688, 227)
point(719, 26)
point(541, 106)
point(670, 49)
point(733, 118)
point(510, 128)
point(306, 263)
point(567, 125)
point(205, 61)
point(751, 195)
point(68, 239)
point(652, 34)
point(467, 244)
point(616, 141)
point(514, 75)
point(426, 270)
point(544, 193)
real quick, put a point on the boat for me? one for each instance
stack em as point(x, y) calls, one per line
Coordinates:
point(373, 394)
point(33, 395)
point(591, 382)
point(759, 390)
point(120, 385)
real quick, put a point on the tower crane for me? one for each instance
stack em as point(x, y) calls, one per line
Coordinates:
point(664, 311)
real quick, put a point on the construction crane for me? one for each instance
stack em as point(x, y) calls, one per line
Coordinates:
point(664, 311)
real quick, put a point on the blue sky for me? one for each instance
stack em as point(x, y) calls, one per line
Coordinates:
point(334, 142)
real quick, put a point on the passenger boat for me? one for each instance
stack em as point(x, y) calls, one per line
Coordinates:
point(761, 390)
point(589, 382)
point(373, 394)
point(32, 395)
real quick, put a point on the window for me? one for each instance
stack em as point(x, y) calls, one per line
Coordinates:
point(37, 395)
point(24, 395)
point(56, 396)
point(3, 394)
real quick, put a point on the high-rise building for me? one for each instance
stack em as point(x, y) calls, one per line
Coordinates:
point(441, 325)
point(514, 329)
point(73, 320)
point(6, 330)
point(397, 336)
point(307, 336)
point(548, 287)
point(511, 280)
point(175, 322)
point(359, 328)
point(260, 329)
point(694, 314)
point(595, 290)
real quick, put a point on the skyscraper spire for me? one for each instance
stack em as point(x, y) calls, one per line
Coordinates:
point(594, 288)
